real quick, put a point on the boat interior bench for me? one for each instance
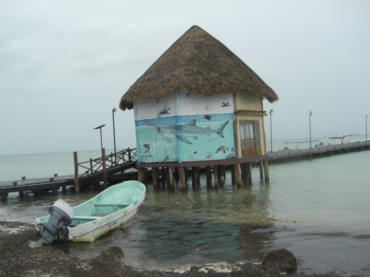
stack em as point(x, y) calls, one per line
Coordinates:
point(104, 209)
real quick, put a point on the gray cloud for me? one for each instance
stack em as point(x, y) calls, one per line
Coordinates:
point(65, 64)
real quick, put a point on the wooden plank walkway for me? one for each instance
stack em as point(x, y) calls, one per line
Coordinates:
point(92, 173)
point(117, 168)
point(319, 151)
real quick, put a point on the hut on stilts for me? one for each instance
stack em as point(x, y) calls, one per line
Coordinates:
point(199, 106)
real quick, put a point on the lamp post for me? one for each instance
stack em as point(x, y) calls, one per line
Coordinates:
point(309, 117)
point(101, 136)
point(114, 135)
point(271, 128)
point(366, 127)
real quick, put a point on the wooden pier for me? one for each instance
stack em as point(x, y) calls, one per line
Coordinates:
point(113, 168)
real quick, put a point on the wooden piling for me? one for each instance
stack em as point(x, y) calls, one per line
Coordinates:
point(266, 167)
point(64, 189)
point(244, 172)
point(4, 197)
point(221, 175)
point(233, 178)
point(261, 169)
point(77, 184)
point(208, 176)
point(196, 177)
point(170, 178)
point(249, 173)
point(182, 179)
point(155, 177)
point(216, 176)
point(105, 178)
point(21, 194)
point(238, 177)
point(141, 174)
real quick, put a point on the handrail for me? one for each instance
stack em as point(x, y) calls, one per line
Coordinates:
point(95, 165)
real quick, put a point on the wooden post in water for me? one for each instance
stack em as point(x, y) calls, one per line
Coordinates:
point(104, 167)
point(216, 176)
point(182, 179)
point(249, 173)
point(238, 177)
point(244, 172)
point(170, 178)
point(4, 197)
point(155, 177)
point(196, 177)
point(261, 170)
point(266, 167)
point(141, 174)
point(21, 194)
point(233, 178)
point(219, 173)
point(77, 184)
point(222, 175)
point(208, 176)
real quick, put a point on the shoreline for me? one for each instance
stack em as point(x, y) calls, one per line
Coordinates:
point(20, 256)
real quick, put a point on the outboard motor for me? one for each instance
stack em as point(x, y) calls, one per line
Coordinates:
point(61, 215)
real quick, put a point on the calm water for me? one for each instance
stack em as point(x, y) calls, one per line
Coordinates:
point(319, 210)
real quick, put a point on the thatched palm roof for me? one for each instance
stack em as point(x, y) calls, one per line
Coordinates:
point(196, 63)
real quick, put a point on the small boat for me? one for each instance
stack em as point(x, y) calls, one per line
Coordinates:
point(93, 218)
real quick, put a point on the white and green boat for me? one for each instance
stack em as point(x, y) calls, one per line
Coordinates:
point(95, 217)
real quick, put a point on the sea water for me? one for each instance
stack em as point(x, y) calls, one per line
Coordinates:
point(318, 209)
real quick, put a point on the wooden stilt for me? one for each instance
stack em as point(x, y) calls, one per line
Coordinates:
point(196, 175)
point(233, 178)
point(182, 179)
point(208, 176)
point(216, 176)
point(55, 189)
point(155, 177)
point(266, 167)
point(261, 170)
point(77, 184)
point(141, 174)
point(171, 178)
point(193, 176)
point(221, 175)
point(4, 197)
point(249, 173)
point(21, 194)
point(166, 177)
point(64, 190)
point(238, 177)
point(244, 172)
point(163, 177)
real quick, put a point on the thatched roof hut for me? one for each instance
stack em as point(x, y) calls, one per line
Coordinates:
point(196, 63)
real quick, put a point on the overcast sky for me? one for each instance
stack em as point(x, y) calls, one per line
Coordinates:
point(65, 64)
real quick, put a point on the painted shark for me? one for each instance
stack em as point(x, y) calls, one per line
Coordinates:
point(182, 132)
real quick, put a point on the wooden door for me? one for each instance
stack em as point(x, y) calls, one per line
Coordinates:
point(249, 137)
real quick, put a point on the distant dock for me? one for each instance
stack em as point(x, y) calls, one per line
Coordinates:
point(114, 168)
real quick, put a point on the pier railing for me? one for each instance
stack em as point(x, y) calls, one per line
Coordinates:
point(104, 162)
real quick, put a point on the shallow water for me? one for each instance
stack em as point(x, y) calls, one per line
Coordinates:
point(319, 209)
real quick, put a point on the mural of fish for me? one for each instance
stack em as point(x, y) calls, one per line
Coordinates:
point(164, 111)
point(182, 132)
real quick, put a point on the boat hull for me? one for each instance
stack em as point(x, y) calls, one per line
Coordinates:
point(93, 230)
point(108, 210)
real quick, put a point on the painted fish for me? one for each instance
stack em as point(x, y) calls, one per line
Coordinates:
point(225, 104)
point(164, 111)
point(222, 149)
point(182, 132)
point(147, 148)
point(207, 117)
point(194, 153)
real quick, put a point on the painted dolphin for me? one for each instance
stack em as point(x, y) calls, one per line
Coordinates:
point(190, 129)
